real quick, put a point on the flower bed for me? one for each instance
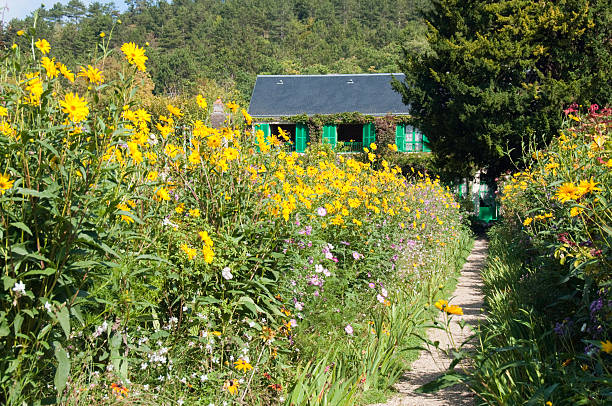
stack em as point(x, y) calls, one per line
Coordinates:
point(152, 258)
point(547, 283)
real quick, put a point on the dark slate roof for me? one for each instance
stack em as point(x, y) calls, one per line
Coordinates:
point(288, 95)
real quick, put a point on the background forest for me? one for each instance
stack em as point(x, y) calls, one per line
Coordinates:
point(210, 43)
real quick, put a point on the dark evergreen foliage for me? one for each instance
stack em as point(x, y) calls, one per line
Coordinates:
point(501, 72)
point(233, 41)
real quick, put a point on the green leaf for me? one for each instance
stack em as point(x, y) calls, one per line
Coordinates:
point(63, 368)
point(63, 316)
point(444, 381)
point(17, 322)
point(152, 258)
point(46, 272)
point(22, 226)
point(8, 282)
point(35, 193)
point(250, 304)
point(4, 329)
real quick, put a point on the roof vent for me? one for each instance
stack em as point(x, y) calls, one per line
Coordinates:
point(280, 82)
point(350, 82)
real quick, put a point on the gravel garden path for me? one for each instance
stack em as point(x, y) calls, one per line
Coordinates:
point(431, 364)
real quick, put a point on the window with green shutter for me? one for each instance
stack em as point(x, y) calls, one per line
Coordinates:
point(400, 137)
point(330, 136)
point(415, 140)
point(301, 137)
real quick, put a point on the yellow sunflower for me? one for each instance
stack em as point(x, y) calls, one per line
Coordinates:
point(135, 55)
point(75, 107)
point(43, 46)
point(94, 75)
point(5, 183)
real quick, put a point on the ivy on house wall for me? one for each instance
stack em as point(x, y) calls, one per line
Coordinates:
point(384, 126)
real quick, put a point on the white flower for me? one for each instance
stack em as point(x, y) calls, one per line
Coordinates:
point(321, 211)
point(48, 306)
point(384, 292)
point(144, 365)
point(319, 268)
point(227, 273)
point(167, 222)
point(380, 298)
point(100, 330)
point(203, 377)
point(349, 329)
point(19, 288)
point(326, 273)
point(299, 306)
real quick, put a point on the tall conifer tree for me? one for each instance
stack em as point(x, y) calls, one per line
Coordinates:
point(498, 72)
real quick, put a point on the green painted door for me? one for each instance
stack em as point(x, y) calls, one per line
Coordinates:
point(301, 137)
point(330, 135)
point(400, 137)
point(369, 135)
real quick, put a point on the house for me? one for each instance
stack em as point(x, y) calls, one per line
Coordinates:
point(345, 105)
point(343, 111)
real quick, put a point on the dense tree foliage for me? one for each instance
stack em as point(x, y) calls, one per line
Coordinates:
point(232, 41)
point(500, 72)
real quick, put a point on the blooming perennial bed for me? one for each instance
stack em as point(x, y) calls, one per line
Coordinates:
point(156, 259)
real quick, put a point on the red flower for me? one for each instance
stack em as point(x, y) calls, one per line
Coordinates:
point(277, 387)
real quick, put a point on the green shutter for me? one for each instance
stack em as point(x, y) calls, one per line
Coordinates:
point(400, 137)
point(369, 135)
point(426, 144)
point(301, 137)
point(266, 130)
point(330, 135)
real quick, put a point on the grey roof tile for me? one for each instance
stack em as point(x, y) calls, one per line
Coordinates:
point(287, 95)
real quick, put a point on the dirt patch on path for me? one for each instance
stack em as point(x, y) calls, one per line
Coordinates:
point(430, 365)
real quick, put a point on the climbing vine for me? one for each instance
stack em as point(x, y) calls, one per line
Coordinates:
point(385, 126)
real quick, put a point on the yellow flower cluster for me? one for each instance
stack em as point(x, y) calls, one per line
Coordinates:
point(443, 305)
point(570, 191)
point(569, 185)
